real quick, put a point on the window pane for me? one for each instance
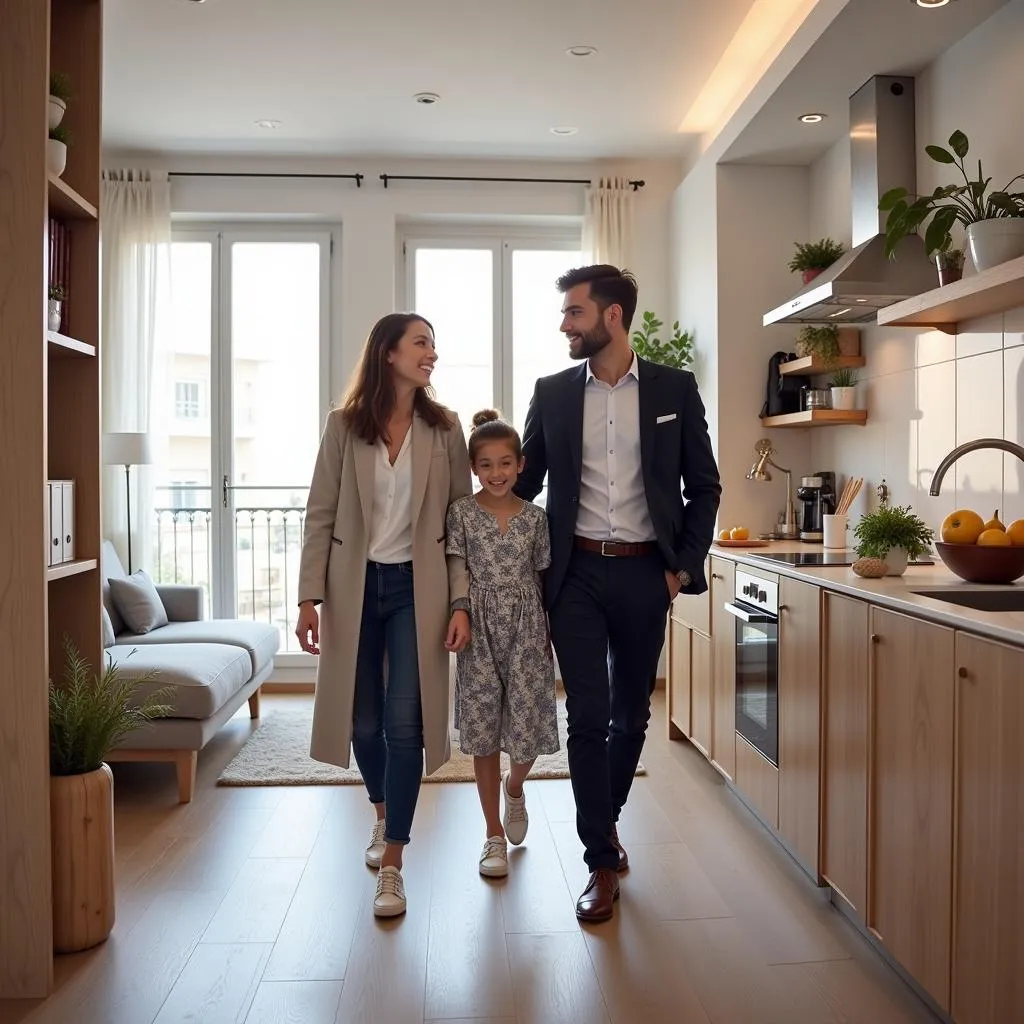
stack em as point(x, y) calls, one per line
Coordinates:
point(538, 347)
point(454, 290)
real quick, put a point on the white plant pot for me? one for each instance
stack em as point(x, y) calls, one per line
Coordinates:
point(56, 112)
point(896, 559)
point(844, 398)
point(995, 241)
point(56, 157)
point(53, 315)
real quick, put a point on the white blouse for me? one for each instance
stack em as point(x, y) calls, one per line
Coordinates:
point(391, 524)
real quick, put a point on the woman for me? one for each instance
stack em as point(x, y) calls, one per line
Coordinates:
point(391, 461)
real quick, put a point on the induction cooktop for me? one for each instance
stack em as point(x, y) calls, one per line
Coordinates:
point(830, 557)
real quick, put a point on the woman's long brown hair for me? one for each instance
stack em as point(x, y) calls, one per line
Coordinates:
point(370, 398)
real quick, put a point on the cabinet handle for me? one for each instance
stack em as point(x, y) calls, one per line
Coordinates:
point(962, 672)
point(717, 576)
point(783, 607)
point(875, 638)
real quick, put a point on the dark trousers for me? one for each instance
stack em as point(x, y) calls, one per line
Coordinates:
point(608, 629)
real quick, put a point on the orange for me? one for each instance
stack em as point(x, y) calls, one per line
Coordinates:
point(1015, 531)
point(962, 527)
point(994, 539)
point(739, 533)
point(725, 535)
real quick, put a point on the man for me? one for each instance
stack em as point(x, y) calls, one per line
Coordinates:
point(614, 437)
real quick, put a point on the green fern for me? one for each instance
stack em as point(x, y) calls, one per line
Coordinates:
point(891, 527)
point(91, 713)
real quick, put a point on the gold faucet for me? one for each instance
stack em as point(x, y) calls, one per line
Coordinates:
point(972, 446)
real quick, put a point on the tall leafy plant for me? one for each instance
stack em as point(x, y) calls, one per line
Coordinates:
point(676, 351)
point(948, 204)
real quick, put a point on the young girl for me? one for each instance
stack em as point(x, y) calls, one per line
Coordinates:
point(505, 680)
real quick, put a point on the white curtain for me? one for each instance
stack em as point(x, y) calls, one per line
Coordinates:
point(135, 211)
point(608, 222)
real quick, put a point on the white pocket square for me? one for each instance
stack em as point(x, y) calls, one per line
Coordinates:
point(667, 419)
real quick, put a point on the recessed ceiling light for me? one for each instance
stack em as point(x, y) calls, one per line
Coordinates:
point(812, 118)
point(930, 3)
point(266, 122)
point(581, 51)
point(427, 99)
point(564, 130)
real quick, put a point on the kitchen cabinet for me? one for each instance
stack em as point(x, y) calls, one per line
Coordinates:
point(844, 731)
point(701, 692)
point(988, 938)
point(678, 683)
point(799, 719)
point(910, 813)
point(723, 668)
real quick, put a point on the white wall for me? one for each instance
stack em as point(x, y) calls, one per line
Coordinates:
point(925, 391)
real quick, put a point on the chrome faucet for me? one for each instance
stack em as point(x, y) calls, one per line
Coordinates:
point(972, 446)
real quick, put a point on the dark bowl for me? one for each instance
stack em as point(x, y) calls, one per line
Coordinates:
point(978, 564)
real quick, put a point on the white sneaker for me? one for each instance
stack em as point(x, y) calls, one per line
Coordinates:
point(389, 899)
point(375, 850)
point(515, 820)
point(494, 858)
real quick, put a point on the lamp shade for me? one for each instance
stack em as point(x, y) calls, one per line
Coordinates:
point(127, 449)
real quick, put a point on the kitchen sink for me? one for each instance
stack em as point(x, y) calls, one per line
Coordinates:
point(988, 600)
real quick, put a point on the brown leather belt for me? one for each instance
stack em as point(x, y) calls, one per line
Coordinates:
point(615, 548)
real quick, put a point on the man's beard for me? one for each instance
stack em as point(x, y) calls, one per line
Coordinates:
point(591, 342)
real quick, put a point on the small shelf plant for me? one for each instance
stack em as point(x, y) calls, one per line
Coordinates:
point(811, 258)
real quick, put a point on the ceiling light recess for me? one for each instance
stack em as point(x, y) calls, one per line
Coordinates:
point(812, 118)
point(930, 3)
point(564, 129)
point(581, 51)
point(427, 99)
point(263, 122)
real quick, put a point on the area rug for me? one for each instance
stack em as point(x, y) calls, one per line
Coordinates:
point(277, 754)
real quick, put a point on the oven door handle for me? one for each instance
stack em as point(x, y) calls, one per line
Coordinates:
point(742, 613)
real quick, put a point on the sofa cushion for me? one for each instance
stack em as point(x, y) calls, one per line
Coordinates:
point(111, 568)
point(201, 677)
point(108, 629)
point(138, 602)
point(257, 638)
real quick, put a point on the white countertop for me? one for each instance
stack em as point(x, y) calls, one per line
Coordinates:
point(894, 592)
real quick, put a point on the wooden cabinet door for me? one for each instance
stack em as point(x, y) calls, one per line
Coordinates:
point(910, 819)
point(988, 942)
point(701, 693)
point(845, 729)
point(800, 718)
point(678, 679)
point(723, 666)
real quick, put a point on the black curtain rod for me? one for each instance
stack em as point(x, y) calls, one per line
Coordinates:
point(637, 184)
point(357, 178)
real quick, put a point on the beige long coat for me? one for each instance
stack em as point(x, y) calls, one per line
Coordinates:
point(333, 571)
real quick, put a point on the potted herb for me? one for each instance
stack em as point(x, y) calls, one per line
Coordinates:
point(994, 220)
point(828, 342)
point(893, 534)
point(676, 351)
point(89, 715)
point(950, 263)
point(60, 93)
point(57, 150)
point(844, 389)
point(54, 306)
point(811, 258)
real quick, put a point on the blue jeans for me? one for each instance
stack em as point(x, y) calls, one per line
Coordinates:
point(387, 720)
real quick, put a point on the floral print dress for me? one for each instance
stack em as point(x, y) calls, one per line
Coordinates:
point(505, 678)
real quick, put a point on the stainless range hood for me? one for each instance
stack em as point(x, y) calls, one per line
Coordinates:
point(882, 155)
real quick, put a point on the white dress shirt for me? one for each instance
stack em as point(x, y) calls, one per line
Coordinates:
point(391, 525)
point(613, 503)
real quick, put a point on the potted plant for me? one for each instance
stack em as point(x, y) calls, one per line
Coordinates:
point(54, 305)
point(811, 258)
point(994, 220)
point(950, 263)
point(57, 150)
point(828, 342)
point(844, 389)
point(677, 351)
point(89, 715)
point(60, 93)
point(893, 534)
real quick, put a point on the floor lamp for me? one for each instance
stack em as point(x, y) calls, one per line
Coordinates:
point(124, 449)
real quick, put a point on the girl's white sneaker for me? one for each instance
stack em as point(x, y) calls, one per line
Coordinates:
point(389, 899)
point(515, 820)
point(375, 850)
point(494, 858)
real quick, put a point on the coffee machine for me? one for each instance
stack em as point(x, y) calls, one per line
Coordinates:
point(817, 497)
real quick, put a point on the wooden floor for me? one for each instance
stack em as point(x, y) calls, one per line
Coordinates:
point(253, 905)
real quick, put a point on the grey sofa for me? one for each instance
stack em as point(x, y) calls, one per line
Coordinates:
point(212, 667)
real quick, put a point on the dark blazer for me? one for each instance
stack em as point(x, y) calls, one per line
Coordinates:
point(672, 451)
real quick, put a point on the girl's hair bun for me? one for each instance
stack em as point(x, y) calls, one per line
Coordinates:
point(485, 416)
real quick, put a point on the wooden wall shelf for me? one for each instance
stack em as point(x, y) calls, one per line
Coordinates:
point(66, 569)
point(67, 203)
point(812, 366)
point(817, 418)
point(63, 346)
point(991, 291)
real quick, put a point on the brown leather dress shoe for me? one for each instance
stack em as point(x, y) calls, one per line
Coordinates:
point(623, 856)
point(598, 899)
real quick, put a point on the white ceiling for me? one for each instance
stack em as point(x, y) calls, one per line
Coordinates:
point(868, 37)
point(340, 76)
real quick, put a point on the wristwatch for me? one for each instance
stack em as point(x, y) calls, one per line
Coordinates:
point(684, 578)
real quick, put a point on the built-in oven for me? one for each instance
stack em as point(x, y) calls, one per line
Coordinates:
point(756, 610)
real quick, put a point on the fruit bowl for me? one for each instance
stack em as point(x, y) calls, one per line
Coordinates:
point(976, 563)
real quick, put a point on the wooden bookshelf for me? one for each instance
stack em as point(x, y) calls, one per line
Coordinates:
point(817, 418)
point(814, 366)
point(991, 291)
point(50, 422)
